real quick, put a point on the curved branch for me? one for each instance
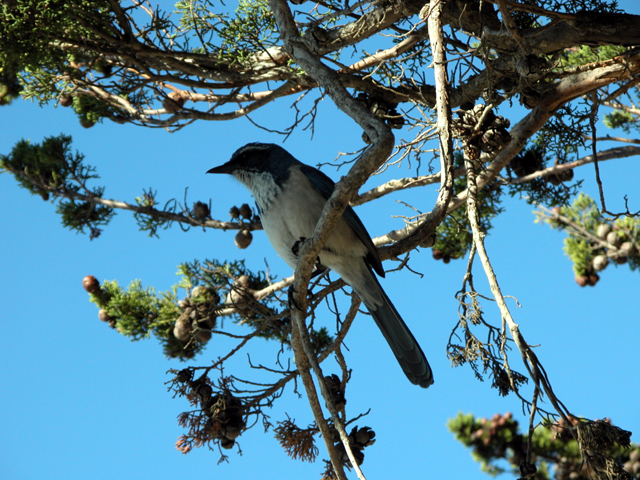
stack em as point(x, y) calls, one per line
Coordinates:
point(167, 215)
point(555, 96)
point(402, 184)
point(433, 13)
point(398, 49)
point(611, 154)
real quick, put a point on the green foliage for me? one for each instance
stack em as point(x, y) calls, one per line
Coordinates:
point(583, 55)
point(559, 141)
point(150, 221)
point(500, 447)
point(10, 87)
point(90, 110)
point(583, 212)
point(621, 119)
point(51, 169)
point(490, 440)
point(184, 326)
point(564, 133)
point(217, 275)
point(138, 312)
point(580, 253)
point(320, 339)
point(135, 308)
point(453, 235)
point(40, 168)
point(198, 15)
point(588, 237)
point(80, 216)
point(252, 31)
point(31, 33)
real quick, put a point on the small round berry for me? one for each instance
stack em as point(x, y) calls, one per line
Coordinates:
point(104, 316)
point(582, 280)
point(66, 100)
point(600, 262)
point(603, 230)
point(245, 211)
point(243, 239)
point(173, 103)
point(200, 211)
point(91, 284)
point(182, 328)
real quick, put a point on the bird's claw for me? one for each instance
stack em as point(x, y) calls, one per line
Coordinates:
point(296, 246)
point(296, 249)
point(291, 299)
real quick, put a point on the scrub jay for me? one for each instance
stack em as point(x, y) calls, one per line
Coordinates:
point(290, 197)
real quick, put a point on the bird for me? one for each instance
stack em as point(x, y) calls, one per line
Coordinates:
point(290, 196)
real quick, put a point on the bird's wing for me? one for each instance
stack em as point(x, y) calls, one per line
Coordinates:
point(325, 186)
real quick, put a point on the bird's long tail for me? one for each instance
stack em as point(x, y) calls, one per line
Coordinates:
point(402, 342)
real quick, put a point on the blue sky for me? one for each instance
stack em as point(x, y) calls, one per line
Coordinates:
point(79, 401)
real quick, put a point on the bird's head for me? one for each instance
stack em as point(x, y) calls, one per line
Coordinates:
point(258, 159)
point(262, 168)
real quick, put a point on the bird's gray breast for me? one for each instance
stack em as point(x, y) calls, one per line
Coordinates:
point(293, 213)
point(290, 214)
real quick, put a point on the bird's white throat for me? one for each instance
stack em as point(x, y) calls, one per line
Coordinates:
point(261, 184)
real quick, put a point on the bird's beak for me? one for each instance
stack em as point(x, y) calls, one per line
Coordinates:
point(226, 168)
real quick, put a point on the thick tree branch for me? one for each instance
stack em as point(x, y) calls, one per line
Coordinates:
point(611, 154)
point(432, 13)
point(556, 95)
point(371, 159)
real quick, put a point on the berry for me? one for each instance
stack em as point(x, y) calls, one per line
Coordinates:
point(65, 100)
point(86, 123)
point(600, 262)
point(184, 375)
point(243, 239)
point(245, 211)
point(227, 443)
point(429, 241)
point(182, 328)
point(203, 336)
point(90, 284)
point(174, 102)
point(614, 239)
point(200, 210)
point(627, 249)
point(603, 230)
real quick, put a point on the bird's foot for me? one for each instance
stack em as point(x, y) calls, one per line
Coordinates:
point(296, 249)
point(320, 269)
point(291, 294)
point(296, 246)
point(291, 298)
